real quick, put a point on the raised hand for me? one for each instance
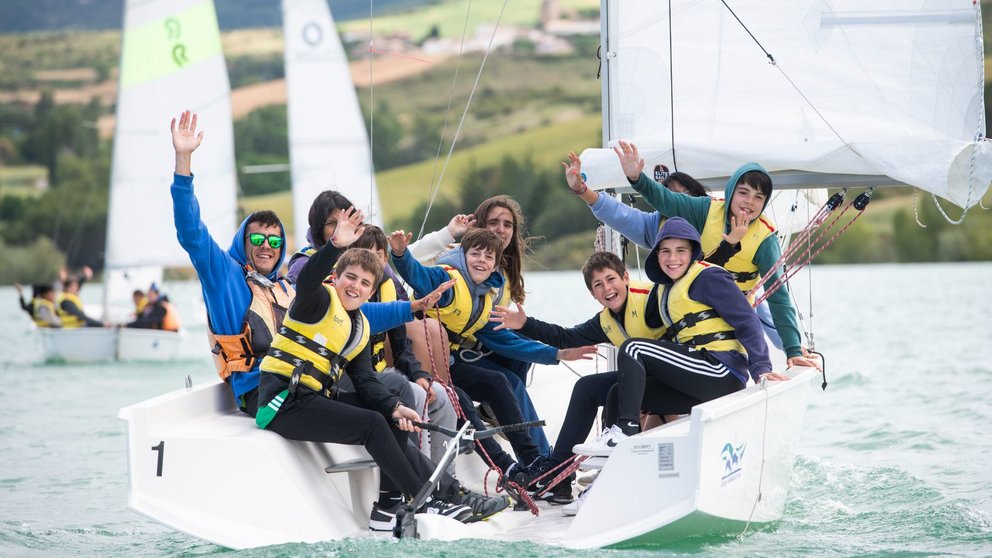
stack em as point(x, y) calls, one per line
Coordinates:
point(431, 298)
point(185, 140)
point(349, 229)
point(508, 319)
point(738, 227)
point(630, 159)
point(578, 353)
point(460, 224)
point(184, 136)
point(87, 272)
point(398, 241)
point(20, 289)
point(573, 172)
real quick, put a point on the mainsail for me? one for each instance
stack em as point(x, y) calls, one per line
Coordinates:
point(171, 60)
point(862, 92)
point(328, 143)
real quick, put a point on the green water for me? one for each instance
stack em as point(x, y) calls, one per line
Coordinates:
point(894, 457)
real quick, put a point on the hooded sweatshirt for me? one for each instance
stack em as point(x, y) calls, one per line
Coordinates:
point(503, 342)
point(715, 287)
point(222, 277)
point(694, 210)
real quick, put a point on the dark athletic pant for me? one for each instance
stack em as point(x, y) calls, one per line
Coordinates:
point(517, 376)
point(500, 458)
point(494, 388)
point(681, 377)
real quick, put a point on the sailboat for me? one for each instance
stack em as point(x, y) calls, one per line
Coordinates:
point(328, 142)
point(815, 118)
point(171, 59)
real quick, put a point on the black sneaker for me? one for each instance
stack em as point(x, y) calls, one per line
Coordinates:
point(383, 519)
point(458, 512)
point(560, 494)
point(482, 506)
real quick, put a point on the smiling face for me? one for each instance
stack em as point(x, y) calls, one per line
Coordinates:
point(609, 288)
point(263, 258)
point(674, 257)
point(354, 286)
point(481, 264)
point(499, 221)
point(748, 200)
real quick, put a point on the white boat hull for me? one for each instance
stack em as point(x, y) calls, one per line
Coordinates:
point(95, 344)
point(198, 465)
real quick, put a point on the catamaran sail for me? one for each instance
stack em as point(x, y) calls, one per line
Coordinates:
point(328, 143)
point(171, 59)
point(890, 91)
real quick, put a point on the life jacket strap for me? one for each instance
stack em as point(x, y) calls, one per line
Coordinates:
point(459, 341)
point(743, 276)
point(692, 319)
point(705, 338)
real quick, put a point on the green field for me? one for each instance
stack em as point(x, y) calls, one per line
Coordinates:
point(450, 17)
point(20, 180)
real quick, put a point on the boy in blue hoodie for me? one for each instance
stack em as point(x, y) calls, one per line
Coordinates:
point(717, 338)
point(246, 299)
point(465, 311)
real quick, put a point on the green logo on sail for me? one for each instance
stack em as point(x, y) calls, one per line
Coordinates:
point(158, 48)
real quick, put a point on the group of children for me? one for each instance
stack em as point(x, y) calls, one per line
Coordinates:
point(338, 352)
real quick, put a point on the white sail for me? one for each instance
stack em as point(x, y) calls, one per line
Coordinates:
point(171, 60)
point(900, 83)
point(328, 143)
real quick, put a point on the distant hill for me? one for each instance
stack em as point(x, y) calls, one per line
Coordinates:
point(20, 16)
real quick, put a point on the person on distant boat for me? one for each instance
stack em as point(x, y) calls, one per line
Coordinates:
point(70, 306)
point(245, 298)
point(747, 193)
point(140, 300)
point(465, 311)
point(158, 313)
point(43, 310)
point(26, 305)
point(716, 339)
point(325, 335)
point(628, 305)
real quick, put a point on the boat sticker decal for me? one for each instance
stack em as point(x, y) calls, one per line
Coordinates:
point(733, 461)
point(666, 460)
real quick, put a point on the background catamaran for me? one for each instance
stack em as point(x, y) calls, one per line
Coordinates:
point(171, 59)
point(862, 94)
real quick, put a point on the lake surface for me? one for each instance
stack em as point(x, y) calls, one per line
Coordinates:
point(894, 458)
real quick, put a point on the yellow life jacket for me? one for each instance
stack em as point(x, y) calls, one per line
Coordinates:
point(68, 320)
point(741, 265)
point(385, 293)
point(501, 296)
point(635, 311)
point(240, 351)
point(463, 316)
point(140, 305)
point(36, 304)
point(322, 350)
point(693, 323)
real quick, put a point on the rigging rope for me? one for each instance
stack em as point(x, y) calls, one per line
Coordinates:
point(447, 112)
point(468, 103)
point(671, 86)
point(775, 63)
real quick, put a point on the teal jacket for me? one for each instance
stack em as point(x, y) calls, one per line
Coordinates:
point(694, 210)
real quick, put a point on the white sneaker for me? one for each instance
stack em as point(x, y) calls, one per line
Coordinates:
point(573, 508)
point(604, 444)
